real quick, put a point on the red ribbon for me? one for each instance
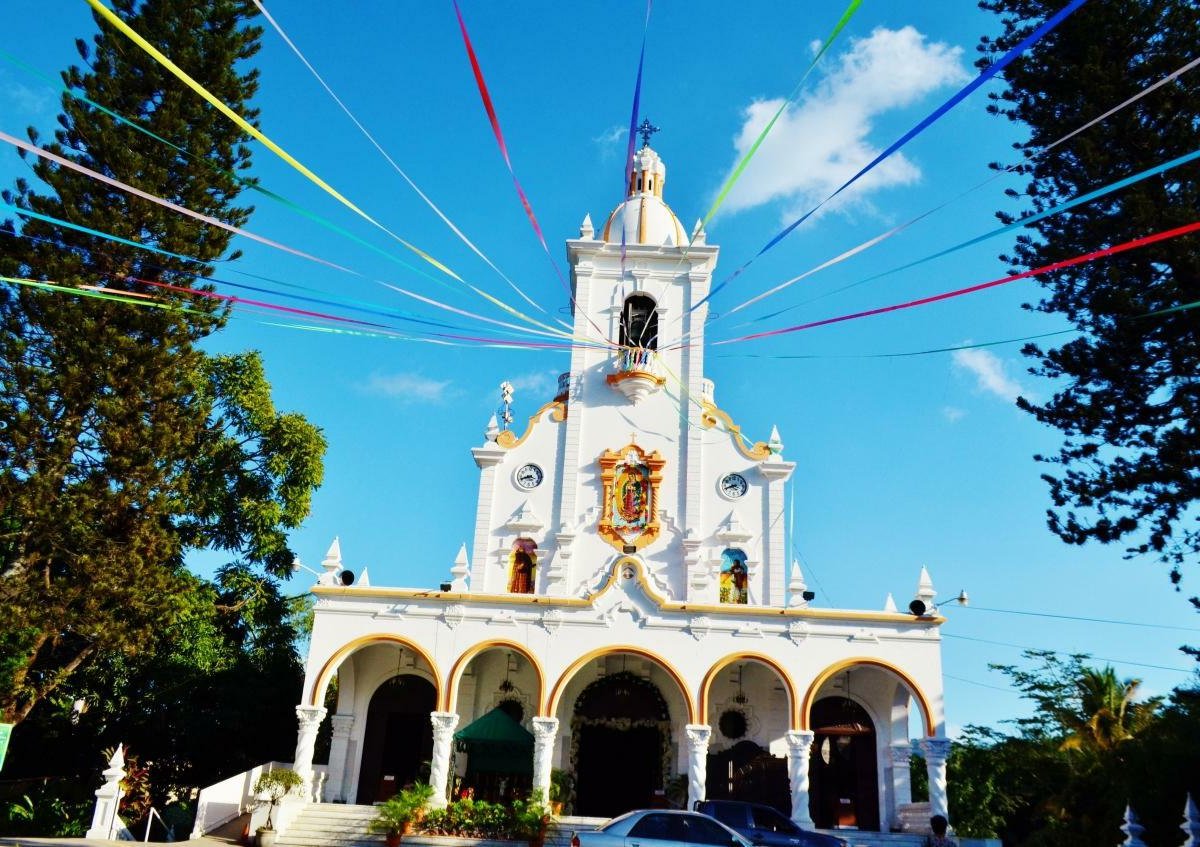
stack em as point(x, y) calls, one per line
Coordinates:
point(946, 295)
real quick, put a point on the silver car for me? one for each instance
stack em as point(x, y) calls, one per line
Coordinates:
point(660, 828)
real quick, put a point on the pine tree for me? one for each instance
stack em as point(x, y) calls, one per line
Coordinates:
point(1128, 393)
point(122, 444)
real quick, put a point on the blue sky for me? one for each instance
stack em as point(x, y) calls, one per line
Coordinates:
point(902, 461)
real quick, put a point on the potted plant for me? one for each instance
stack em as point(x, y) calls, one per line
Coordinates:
point(562, 790)
point(530, 820)
point(399, 813)
point(271, 788)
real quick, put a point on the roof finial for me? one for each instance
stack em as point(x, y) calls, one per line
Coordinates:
point(646, 129)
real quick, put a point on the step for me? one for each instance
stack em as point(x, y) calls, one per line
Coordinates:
point(857, 838)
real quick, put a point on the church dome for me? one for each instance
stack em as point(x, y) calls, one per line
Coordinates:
point(644, 217)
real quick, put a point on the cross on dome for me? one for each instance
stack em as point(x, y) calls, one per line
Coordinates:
point(647, 129)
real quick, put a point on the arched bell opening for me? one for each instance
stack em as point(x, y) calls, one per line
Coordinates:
point(639, 322)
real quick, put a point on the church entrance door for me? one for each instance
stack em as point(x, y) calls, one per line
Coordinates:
point(845, 787)
point(399, 737)
point(619, 740)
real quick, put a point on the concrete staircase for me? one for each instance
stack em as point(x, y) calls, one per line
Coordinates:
point(331, 825)
point(345, 825)
point(878, 839)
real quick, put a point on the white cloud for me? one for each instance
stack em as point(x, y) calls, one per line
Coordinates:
point(26, 100)
point(822, 140)
point(408, 388)
point(953, 414)
point(990, 373)
point(539, 384)
point(610, 141)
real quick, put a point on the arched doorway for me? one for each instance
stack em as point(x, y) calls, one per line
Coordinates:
point(845, 787)
point(398, 741)
point(619, 737)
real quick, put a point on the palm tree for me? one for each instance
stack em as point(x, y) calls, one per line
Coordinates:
point(1108, 711)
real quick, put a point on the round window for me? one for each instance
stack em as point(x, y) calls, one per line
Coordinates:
point(732, 724)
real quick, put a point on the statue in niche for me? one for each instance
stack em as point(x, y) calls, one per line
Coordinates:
point(733, 586)
point(522, 566)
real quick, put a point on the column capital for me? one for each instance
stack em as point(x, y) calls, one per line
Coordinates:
point(901, 754)
point(342, 724)
point(935, 749)
point(544, 729)
point(800, 741)
point(444, 723)
point(698, 734)
point(310, 717)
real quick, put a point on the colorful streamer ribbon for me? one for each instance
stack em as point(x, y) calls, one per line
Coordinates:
point(428, 202)
point(872, 242)
point(252, 130)
point(987, 74)
point(745, 160)
point(946, 295)
point(166, 204)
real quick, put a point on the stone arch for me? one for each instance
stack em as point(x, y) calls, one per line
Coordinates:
point(317, 695)
point(810, 696)
point(560, 685)
point(639, 321)
point(460, 665)
point(789, 686)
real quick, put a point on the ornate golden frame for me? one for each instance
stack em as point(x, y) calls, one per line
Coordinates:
point(609, 460)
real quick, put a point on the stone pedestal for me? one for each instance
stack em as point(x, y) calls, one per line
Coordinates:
point(338, 754)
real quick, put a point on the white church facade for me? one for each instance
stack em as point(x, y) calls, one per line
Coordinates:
point(627, 598)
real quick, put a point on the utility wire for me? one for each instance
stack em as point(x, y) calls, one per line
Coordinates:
point(1088, 655)
point(1088, 620)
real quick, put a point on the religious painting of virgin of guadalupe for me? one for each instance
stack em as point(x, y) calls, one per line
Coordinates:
point(733, 588)
point(521, 566)
point(631, 477)
point(632, 496)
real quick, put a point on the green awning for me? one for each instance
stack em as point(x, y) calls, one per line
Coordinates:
point(496, 743)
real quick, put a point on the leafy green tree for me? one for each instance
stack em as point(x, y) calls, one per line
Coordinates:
point(1128, 401)
point(122, 444)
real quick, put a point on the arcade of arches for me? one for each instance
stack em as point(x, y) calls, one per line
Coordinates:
point(622, 728)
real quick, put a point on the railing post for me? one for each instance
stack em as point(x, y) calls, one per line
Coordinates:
point(1191, 823)
point(1132, 829)
point(108, 798)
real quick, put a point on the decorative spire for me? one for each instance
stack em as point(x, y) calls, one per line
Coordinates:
point(698, 233)
point(775, 442)
point(460, 571)
point(586, 230)
point(1191, 823)
point(493, 430)
point(1132, 829)
point(889, 605)
point(797, 587)
point(646, 129)
point(332, 563)
point(925, 592)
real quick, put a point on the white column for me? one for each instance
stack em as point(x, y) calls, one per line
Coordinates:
point(936, 750)
point(902, 773)
point(545, 731)
point(338, 750)
point(800, 743)
point(697, 740)
point(108, 798)
point(308, 721)
point(444, 724)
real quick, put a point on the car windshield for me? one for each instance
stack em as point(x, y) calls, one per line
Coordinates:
point(771, 820)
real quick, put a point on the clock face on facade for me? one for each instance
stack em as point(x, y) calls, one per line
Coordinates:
point(528, 477)
point(734, 485)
